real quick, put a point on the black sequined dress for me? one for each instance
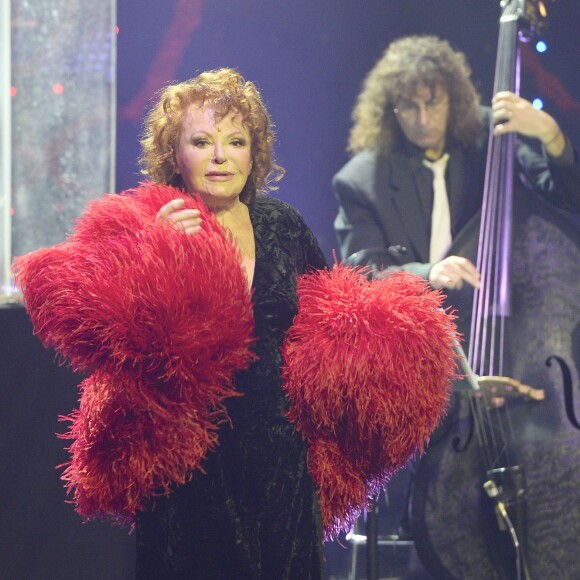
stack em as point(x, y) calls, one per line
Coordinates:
point(254, 513)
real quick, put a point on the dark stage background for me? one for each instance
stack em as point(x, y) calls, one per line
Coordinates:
point(309, 59)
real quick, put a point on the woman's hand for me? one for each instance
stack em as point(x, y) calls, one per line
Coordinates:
point(184, 220)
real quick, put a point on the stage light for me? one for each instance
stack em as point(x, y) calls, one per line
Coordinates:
point(538, 103)
point(541, 46)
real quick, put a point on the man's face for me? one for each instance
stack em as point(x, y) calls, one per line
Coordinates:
point(423, 119)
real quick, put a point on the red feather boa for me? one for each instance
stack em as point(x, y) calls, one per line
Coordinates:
point(161, 321)
point(368, 371)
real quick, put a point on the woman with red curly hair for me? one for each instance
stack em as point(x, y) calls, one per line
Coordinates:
point(252, 512)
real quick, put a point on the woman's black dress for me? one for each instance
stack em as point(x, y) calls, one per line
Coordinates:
point(253, 513)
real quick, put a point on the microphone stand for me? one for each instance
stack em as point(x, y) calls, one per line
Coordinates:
point(372, 532)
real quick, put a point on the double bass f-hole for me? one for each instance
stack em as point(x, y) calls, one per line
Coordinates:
point(568, 389)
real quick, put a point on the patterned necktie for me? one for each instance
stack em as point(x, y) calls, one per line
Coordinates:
point(440, 217)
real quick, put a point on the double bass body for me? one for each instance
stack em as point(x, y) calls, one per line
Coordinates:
point(458, 534)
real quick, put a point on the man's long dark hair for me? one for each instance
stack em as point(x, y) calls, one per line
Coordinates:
point(407, 64)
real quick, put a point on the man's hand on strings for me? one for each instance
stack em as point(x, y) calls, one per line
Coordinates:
point(452, 272)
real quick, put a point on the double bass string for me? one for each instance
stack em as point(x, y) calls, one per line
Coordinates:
point(491, 304)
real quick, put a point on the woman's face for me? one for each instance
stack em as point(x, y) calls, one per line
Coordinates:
point(214, 159)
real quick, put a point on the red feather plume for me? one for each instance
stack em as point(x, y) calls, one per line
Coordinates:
point(162, 321)
point(368, 372)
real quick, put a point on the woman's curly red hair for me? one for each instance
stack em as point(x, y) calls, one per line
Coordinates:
point(224, 90)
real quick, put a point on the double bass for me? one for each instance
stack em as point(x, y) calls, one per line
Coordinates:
point(497, 495)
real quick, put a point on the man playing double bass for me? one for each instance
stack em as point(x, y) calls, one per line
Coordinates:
point(414, 187)
point(418, 114)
